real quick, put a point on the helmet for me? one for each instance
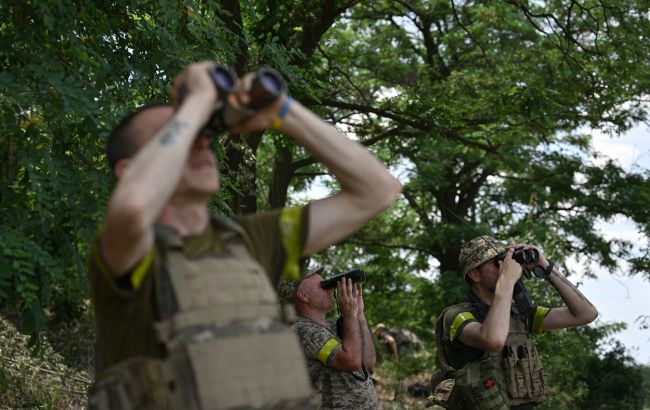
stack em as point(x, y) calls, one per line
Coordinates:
point(478, 251)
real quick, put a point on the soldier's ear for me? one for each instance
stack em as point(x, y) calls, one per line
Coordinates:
point(474, 275)
point(301, 295)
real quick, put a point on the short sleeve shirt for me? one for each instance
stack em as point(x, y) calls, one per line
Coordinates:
point(339, 389)
point(126, 309)
point(459, 316)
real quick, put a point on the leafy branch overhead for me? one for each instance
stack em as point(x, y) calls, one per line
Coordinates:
point(483, 109)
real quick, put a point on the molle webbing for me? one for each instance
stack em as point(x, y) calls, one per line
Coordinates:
point(225, 323)
point(523, 370)
point(138, 383)
point(516, 370)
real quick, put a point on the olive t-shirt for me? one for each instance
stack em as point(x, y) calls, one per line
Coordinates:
point(126, 309)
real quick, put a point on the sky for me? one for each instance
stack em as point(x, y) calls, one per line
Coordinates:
point(619, 297)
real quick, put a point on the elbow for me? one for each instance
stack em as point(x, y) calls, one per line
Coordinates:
point(494, 345)
point(584, 317)
point(350, 363)
point(388, 192)
point(129, 215)
point(591, 316)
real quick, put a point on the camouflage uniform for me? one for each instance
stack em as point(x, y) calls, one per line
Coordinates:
point(339, 389)
point(522, 377)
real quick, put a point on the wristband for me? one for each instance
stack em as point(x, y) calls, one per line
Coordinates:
point(549, 268)
point(277, 122)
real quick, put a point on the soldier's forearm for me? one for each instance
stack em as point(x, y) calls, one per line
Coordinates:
point(368, 347)
point(576, 302)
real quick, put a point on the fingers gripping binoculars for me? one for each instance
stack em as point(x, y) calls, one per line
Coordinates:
point(267, 86)
point(525, 257)
point(356, 275)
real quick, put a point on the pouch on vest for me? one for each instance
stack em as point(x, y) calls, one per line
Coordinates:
point(137, 383)
point(524, 374)
point(481, 386)
point(446, 395)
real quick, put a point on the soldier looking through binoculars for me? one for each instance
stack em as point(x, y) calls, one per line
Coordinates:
point(484, 344)
point(182, 298)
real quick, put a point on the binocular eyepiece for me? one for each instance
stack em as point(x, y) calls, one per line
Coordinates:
point(356, 275)
point(267, 86)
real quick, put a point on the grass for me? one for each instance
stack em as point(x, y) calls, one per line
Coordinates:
point(40, 377)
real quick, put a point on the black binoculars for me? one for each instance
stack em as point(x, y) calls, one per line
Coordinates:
point(267, 86)
point(522, 256)
point(356, 275)
point(525, 257)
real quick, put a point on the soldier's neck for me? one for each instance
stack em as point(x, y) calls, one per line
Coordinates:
point(484, 295)
point(187, 219)
point(311, 314)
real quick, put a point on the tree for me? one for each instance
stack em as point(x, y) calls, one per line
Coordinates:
point(614, 381)
point(480, 106)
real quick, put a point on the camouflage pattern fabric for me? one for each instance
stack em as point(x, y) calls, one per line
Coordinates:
point(478, 251)
point(287, 288)
point(338, 389)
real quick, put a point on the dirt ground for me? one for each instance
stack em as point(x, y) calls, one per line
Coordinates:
point(393, 394)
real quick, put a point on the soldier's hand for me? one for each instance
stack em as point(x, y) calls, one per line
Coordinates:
point(263, 117)
point(540, 261)
point(348, 298)
point(194, 81)
point(510, 269)
point(360, 304)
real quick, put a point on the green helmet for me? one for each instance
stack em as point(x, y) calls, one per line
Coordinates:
point(478, 251)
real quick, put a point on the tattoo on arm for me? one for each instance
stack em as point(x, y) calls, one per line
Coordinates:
point(170, 131)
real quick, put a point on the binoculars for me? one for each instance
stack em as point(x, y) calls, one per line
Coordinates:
point(525, 257)
point(522, 256)
point(267, 86)
point(356, 275)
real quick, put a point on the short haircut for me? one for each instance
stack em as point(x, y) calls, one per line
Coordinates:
point(122, 141)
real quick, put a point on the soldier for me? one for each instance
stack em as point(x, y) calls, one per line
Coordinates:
point(338, 362)
point(398, 342)
point(483, 342)
point(186, 314)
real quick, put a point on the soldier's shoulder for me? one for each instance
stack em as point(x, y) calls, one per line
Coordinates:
point(305, 326)
point(452, 311)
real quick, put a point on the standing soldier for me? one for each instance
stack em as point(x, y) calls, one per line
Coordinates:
point(484, 343)
point(187, 316)
point(338, 360)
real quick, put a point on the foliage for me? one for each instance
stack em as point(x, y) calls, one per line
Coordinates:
point(69, 72)
point(615, 381)
point(481, 108)
point(40, 381)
